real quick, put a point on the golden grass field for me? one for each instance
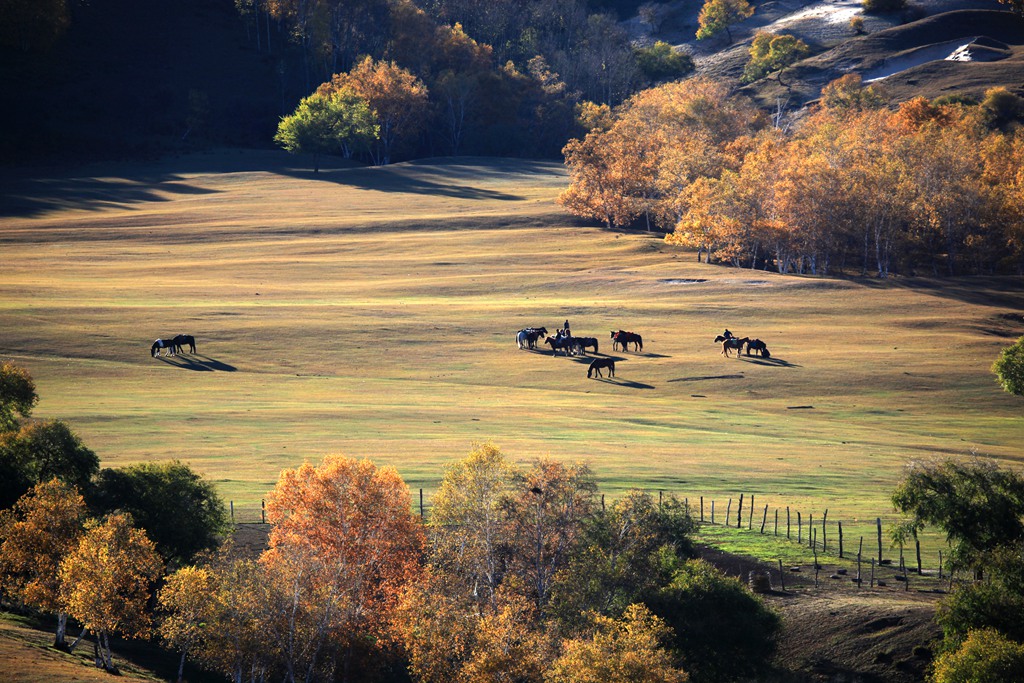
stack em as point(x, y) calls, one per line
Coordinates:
point(372, 311)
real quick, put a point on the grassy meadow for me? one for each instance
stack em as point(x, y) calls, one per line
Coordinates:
point(372, 311)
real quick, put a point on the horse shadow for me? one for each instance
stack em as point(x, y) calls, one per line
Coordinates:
point(773, 361)
point(654, 355)
point(197, 363)
point(629, 384)
point(705, 377)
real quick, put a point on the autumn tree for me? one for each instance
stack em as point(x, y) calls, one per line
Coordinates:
point(106, 582)
point(509, 646)
point(1009, 368)
point(328, 123)
point(632, 649)
point(850, 93)
point(467, 522)
point(181, 512)
point(770, 52)
point(186, 599)
point(397, 98)
point(41, 451)
point(717, 15)
point(36, 534)
point(661, 62)
point(345, 543)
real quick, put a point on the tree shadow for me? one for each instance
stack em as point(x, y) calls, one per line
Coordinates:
point(30, 197)
point(198, 363)
point(406, 179)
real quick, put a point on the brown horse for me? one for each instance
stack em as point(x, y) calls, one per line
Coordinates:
point(759, 347)
point(731, 343)
point(623, 339)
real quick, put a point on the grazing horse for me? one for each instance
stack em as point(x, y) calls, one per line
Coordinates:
point(598, 363)
point(586, 342)
point(567, 344)
point(758, 346)
point(731, 343)
point(527, 337)
point(183, 339)
point(623, 339)
point(169, 344)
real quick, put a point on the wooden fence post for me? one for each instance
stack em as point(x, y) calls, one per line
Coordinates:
point(602, 502)
point(940, 564)
point(787, 522)
point(263, 511)
point(750, 518)
point(810, 525)
point(782, 577)
point(814, 548)
point(232, 511)
point(878, 523)
point(421, 503)
point(712, 512)
point(872, 572)
point(840, 540)
point(917, 547)
point(764, 518)
point(728, 512)
point(824, 541)
point(702, 509)
point(660, 498)
point(776, 521)
point(859, 580)
point(739, 513)
point(799, 528)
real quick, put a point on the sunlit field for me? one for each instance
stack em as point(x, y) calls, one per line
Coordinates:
point(373, 312)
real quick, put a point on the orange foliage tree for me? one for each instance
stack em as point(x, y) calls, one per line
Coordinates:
point(397, 97)
point(36, 534)
point(345, 543)
point(106, 582)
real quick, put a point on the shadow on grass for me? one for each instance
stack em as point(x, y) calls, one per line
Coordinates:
point(773, 361)
point(431, 181)
point(197, 362)
point(629, 384)
point(27, 198)
point(706, 377)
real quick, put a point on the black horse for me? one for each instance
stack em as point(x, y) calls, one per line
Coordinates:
point(598, 363)
point(758, 346)
point(566, 344)
point(586, 342)
point(169, 344)
point(182, 340)
point(623, 339)
point(734, 343)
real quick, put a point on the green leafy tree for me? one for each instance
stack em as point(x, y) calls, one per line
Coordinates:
point(995, 603)
point(17, 395)
point(179, 509)
point(328, 123)
point(1009, 368)
point(986, 655)
point(722, 630)
point(717, 15)
point(770, 52)
point(978, 505)
point(42, 451)
point(661, 62)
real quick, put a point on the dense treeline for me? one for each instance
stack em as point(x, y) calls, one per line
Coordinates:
point(926, 188)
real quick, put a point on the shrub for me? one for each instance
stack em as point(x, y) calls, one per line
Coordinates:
point(1009, 367)
point(661, 62)
point(883, 6)
point(857, 24)
point(986, 655)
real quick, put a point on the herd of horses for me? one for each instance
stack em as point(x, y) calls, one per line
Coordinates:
point(173, 345)
point(570, 345)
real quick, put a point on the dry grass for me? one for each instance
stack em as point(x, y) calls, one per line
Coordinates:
point(373, 312)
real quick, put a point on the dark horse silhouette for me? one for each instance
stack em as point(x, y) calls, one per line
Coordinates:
point(585, 342)
point(623, 339)
point(527, 337)
point(731, 343)
point(170, 344)
point(182, 340)
point(598, 363)
point(758, 346)
point(567, 344)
